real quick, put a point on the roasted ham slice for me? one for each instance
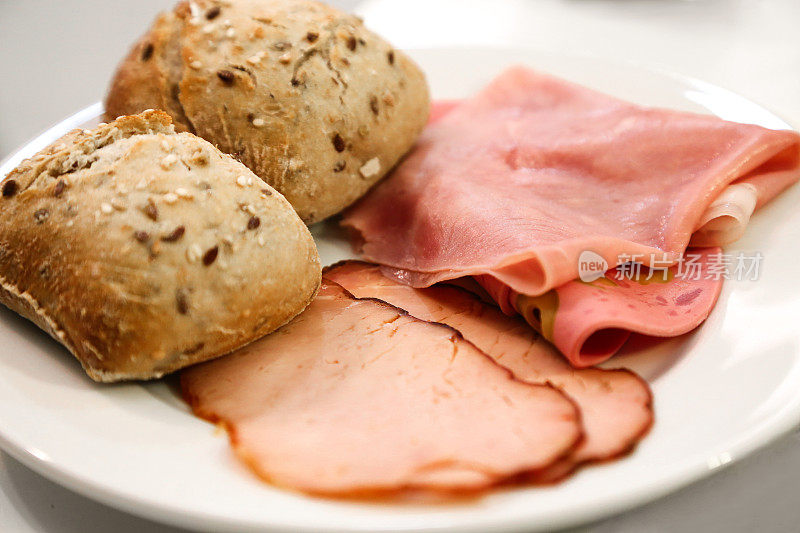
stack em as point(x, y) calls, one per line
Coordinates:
point(358, 397)
point(616, 404)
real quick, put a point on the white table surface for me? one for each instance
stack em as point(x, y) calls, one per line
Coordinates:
point(57, 56)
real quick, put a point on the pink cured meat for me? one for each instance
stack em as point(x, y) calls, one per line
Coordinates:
point(516, 182)
point(357, 397)
point(589, 322)
point(440, 108)
point(615, 404)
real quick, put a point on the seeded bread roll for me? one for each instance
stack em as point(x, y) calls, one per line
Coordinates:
point(143, 250)
point(315, 104)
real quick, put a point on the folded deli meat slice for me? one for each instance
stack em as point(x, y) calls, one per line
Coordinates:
point(589, 321)
point(356, 396)
point(722, 222)
point(616, 404)
point(516, 182)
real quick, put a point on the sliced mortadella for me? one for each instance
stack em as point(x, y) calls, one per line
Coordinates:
point(358, 397)
point(589, 322)
point(616, 404)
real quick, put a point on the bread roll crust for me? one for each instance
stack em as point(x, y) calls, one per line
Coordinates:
point(143, 250)
point(315, 104)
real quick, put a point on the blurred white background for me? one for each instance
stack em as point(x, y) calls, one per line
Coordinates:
point(56, 56)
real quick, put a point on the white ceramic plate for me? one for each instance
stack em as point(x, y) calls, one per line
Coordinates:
point(720, 393)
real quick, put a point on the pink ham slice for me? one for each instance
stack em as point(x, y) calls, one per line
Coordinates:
point(723, 222)
point(616, 404)
point(589, 322)
point(356, 396)
point(518, 181)
point(440, 108)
